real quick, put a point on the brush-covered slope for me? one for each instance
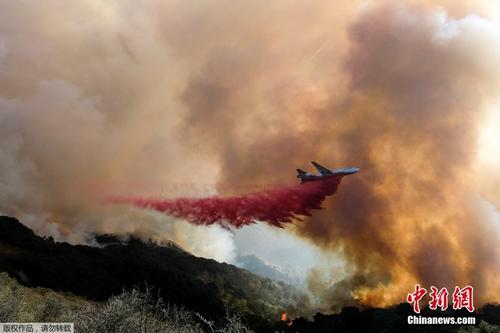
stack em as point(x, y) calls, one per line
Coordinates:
point(200, 284)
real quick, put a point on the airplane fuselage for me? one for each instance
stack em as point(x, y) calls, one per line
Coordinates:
point(309, 177)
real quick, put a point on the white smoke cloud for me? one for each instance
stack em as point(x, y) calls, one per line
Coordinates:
point(87, 108)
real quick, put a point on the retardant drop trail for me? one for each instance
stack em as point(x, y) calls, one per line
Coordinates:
point(275, 206)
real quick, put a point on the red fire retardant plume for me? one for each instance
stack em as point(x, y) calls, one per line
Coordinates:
point(275, 206)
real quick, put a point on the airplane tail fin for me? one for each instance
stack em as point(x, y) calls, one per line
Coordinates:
point(300, 173)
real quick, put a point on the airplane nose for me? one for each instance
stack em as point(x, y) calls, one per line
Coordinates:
point(353, 170)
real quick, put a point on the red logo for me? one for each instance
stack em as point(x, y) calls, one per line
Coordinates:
point(462, 298)
point(438, 299)
point(415, 297)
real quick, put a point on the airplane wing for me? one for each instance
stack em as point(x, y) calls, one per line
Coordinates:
point(322, 170)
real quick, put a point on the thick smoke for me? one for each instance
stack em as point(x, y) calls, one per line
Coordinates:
point(125, 97)
point(276, 206)
point(83, 106)
point(406, 108)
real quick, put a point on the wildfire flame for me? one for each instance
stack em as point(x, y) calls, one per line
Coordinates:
point(285, 319)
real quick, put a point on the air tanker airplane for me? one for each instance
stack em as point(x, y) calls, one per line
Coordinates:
point(323, 173)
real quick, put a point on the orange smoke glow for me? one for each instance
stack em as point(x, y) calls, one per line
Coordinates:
point(406, 109)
